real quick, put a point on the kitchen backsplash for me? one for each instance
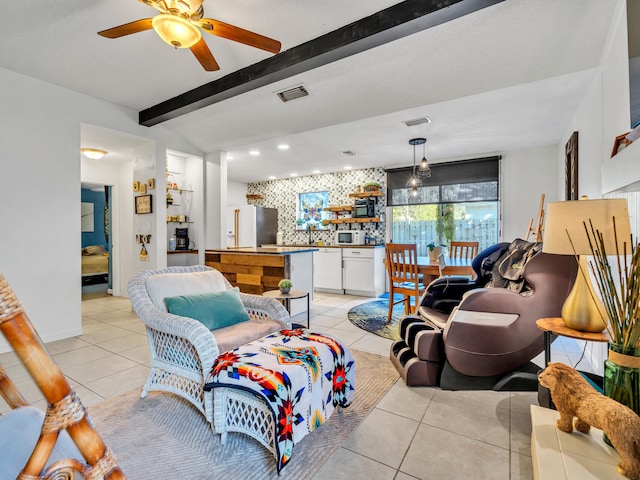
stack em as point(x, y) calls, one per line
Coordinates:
point(283, 195)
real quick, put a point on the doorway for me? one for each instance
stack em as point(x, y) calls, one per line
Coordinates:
point(97, 240)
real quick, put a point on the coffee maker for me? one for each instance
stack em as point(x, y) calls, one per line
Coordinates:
point(182, 239)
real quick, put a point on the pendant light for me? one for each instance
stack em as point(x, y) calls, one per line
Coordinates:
point(414, 184)
point(423, 168)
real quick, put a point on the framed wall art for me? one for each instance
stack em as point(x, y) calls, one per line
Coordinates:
point(143, 204)
point(571, 168)
point(620, 143)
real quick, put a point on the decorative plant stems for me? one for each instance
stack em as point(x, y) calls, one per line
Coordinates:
point(620, 293)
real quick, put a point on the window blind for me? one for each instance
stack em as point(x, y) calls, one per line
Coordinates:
point(473, 180)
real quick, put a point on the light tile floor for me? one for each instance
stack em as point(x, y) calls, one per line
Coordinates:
point(418, 432)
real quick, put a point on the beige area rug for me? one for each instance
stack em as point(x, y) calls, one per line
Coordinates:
point(163, 436)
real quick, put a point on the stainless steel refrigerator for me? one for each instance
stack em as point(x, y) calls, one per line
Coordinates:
point(251, 226)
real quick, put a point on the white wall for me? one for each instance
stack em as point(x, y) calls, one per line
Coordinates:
point(215, 191)
point(40, 205)
point(236, 193)
point(602, 115)
point(526, 174)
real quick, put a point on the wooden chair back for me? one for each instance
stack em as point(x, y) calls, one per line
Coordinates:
point(466, 250)
point(65, 411)
point(404, 277)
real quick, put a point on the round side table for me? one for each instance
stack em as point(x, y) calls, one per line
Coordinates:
point(557, 327)
point(285, 298)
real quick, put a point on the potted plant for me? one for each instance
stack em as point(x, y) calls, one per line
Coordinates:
point(285, 285)
point(434, 251)
point(617, 276)
point(371, 187)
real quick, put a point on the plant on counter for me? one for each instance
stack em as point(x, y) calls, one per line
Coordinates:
point(285, 285)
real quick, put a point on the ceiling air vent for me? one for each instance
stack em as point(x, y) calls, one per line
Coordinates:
point(293, 93)
point(349, 153)
point(417, 121)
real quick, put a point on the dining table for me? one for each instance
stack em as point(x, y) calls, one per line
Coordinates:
point(454, 266)
point(430, 269)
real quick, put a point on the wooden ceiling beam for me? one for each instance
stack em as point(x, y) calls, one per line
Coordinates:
point(393, 23)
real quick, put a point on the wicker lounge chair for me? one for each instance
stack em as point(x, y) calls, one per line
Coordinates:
point(183, 349)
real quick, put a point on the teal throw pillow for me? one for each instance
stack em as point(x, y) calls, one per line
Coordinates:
point(214, 310)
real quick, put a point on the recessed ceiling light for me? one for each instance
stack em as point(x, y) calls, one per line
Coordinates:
point(347, 167)
point(293, 175)
point(316, 171)
point(272, 177)
point(283, 146)
point(255, 153)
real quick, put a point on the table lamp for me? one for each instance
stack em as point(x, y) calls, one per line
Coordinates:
point(565, 234)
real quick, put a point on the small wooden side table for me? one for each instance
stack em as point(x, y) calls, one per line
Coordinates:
point(286, 298)
point(557, 327)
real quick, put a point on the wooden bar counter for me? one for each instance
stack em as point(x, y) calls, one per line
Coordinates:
point(258, 270)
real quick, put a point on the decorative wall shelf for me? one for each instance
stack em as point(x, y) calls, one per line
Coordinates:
point(378, 193)
point(352, 220)
point(255, 196)
point(340, 208)
point(178, 190)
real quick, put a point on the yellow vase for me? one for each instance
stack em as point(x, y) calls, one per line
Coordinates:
point(583, 310)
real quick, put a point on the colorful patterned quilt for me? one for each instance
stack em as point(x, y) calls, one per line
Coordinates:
point(302, 376)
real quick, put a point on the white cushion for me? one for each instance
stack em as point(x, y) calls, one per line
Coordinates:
point(19, 432)
point(166, 285)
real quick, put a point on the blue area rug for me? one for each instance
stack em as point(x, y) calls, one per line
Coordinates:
point(372, 317)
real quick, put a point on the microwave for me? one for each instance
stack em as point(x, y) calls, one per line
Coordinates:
point(349, 237)
point(364, 208)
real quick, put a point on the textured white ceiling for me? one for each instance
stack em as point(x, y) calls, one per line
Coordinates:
point(508, 76)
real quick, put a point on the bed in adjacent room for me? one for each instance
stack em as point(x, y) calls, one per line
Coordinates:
point(95, 265)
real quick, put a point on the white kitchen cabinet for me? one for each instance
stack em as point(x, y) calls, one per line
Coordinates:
point(363, 271)
point(327, 270)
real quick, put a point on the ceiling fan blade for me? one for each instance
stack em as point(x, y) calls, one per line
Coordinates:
point(204, 56)
point(241, 35)
point(127, 28)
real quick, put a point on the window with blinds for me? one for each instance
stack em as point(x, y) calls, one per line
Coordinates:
point(458, 202)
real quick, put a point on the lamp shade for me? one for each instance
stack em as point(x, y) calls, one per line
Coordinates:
point(566, 220)
point(175, 30)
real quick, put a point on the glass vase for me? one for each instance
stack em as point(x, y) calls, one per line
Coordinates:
point(622, 383)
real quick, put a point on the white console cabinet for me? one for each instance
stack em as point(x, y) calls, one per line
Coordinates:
point(363, 271)
point(327, 270)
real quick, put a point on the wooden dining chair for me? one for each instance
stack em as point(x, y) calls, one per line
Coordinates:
point(467, 250)
point(404, 279)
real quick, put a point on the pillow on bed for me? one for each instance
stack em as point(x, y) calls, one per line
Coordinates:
point(214, 310)
point(94, 250)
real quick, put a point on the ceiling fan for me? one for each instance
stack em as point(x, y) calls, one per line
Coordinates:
point(179, 23)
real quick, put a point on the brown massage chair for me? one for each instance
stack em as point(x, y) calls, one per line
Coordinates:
point(465, 336)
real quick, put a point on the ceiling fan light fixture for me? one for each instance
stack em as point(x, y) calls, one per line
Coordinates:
point(93, 153)
point(175, 30)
